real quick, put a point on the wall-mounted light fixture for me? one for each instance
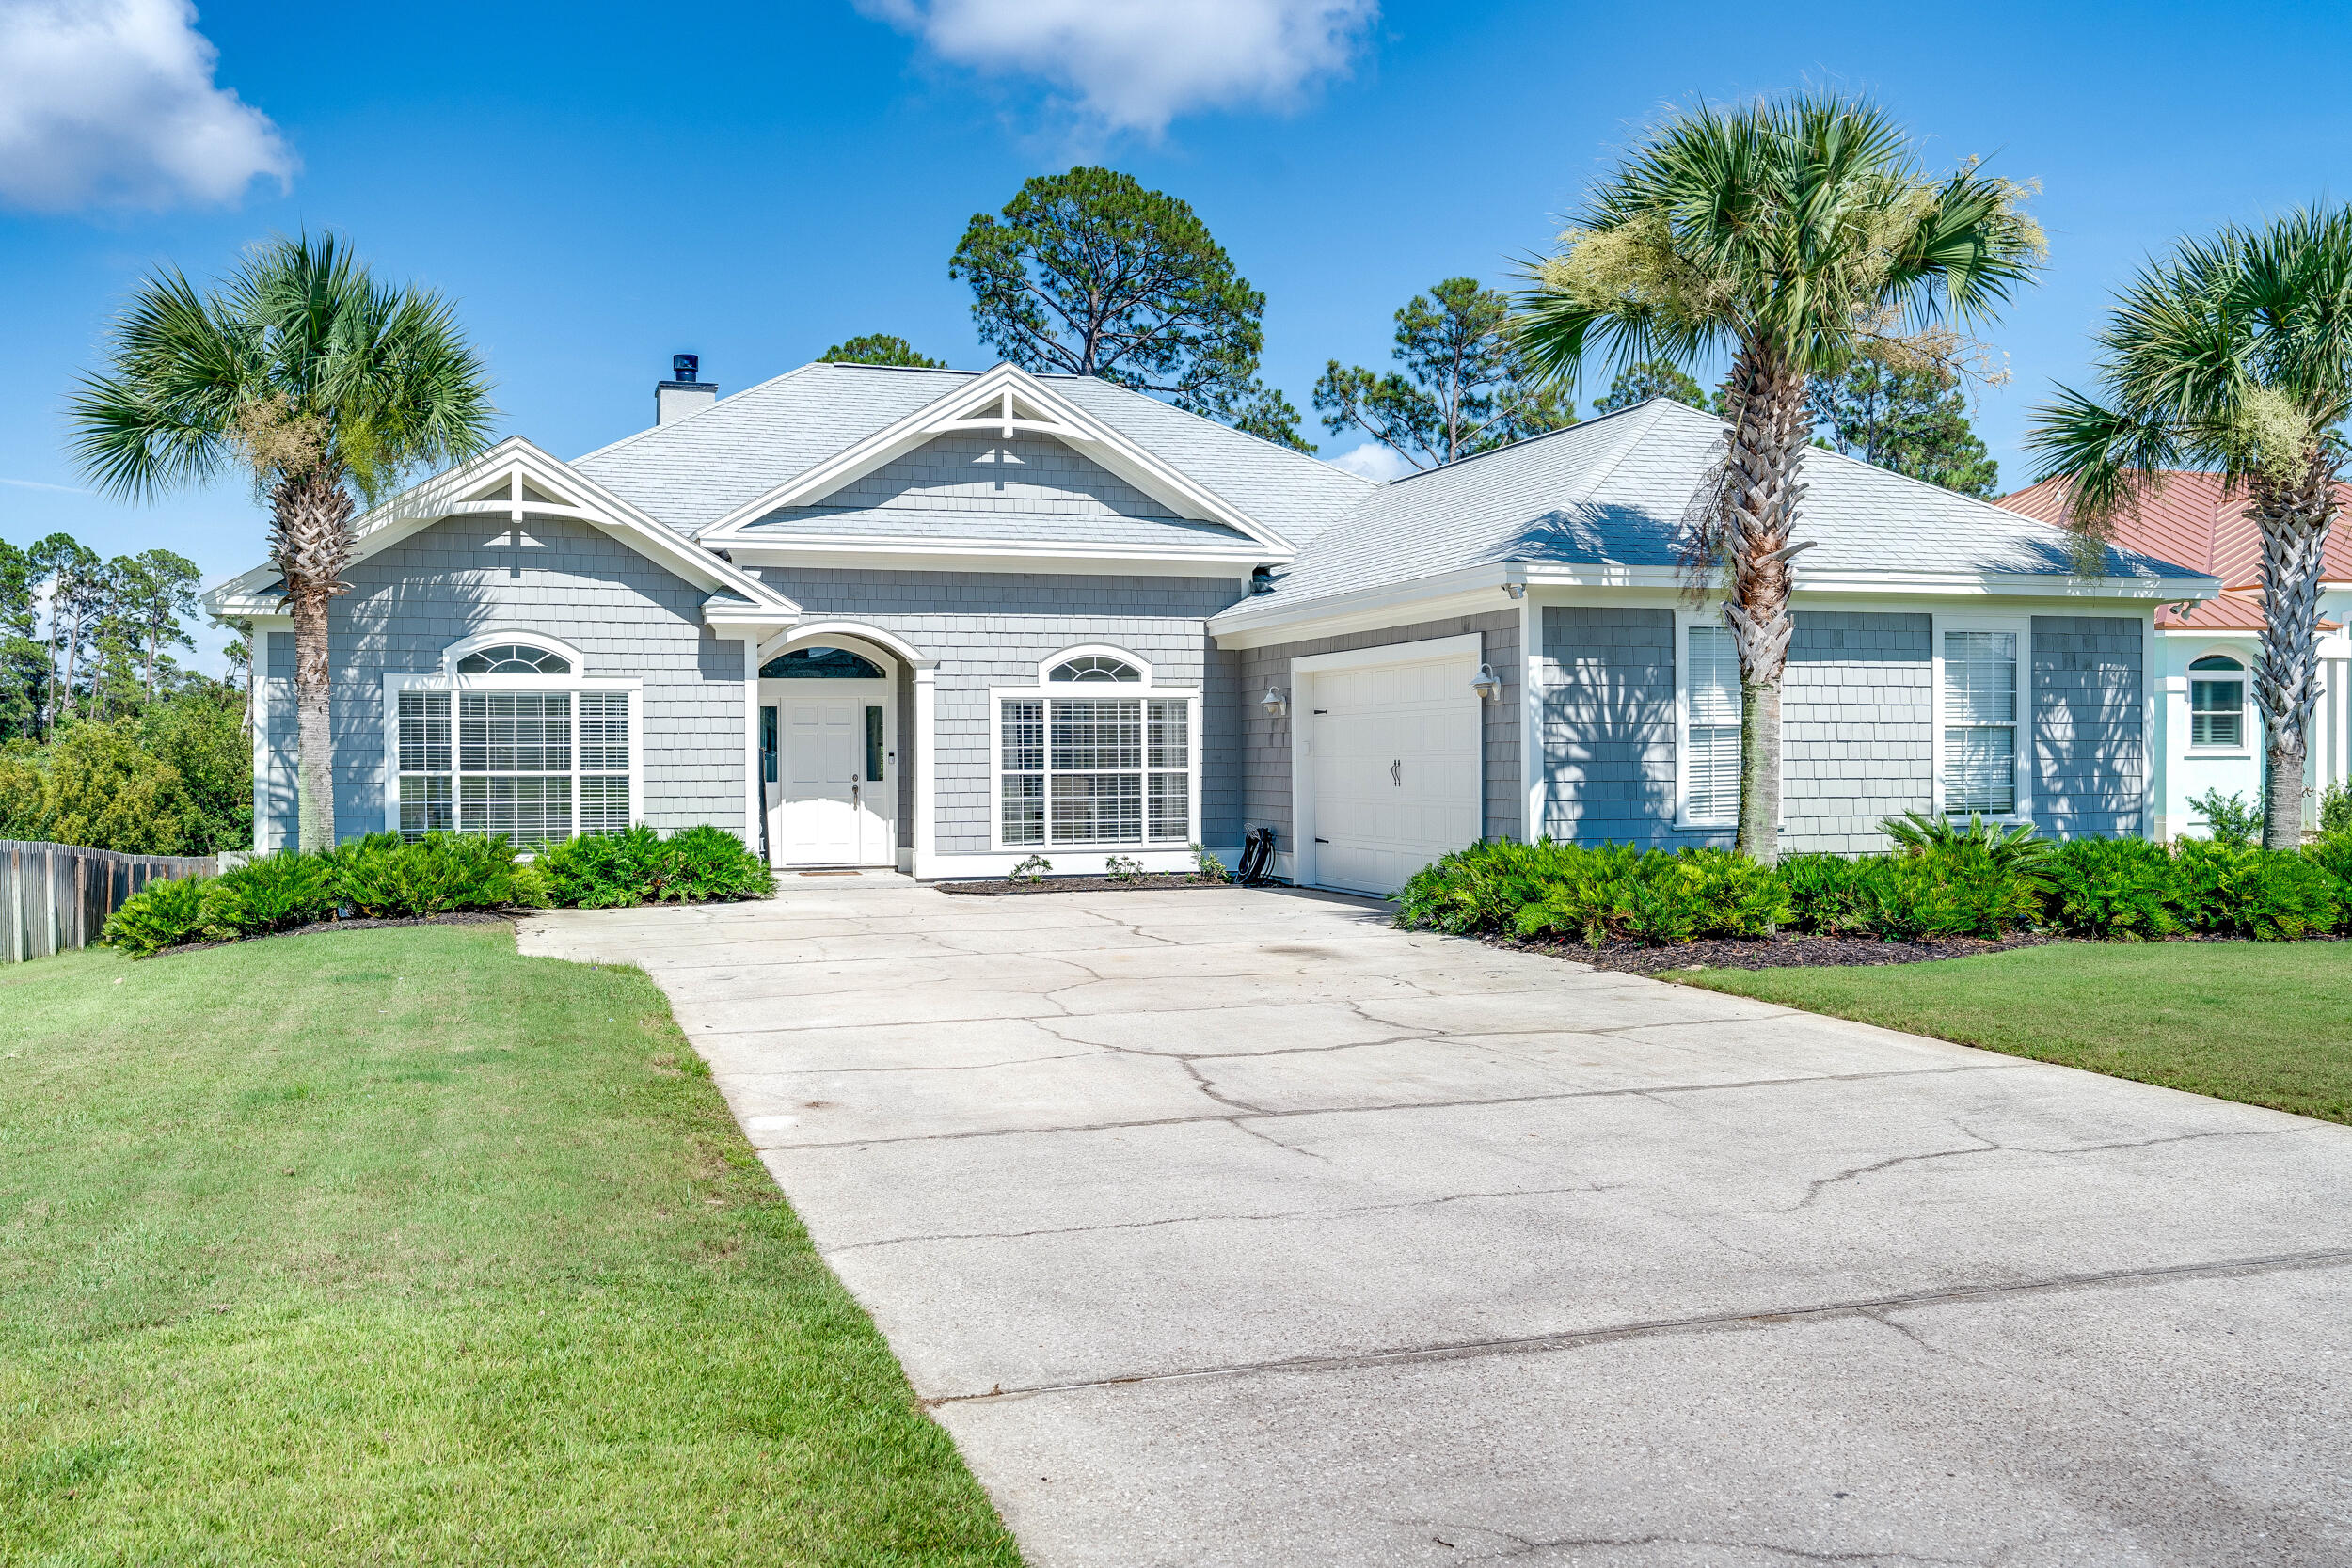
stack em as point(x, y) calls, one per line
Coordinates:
point(1515, 590)
point(1486, 684)
point(1274, 702)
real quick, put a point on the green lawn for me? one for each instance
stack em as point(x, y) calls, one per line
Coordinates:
point(393, 1247)
point(2270, 1023)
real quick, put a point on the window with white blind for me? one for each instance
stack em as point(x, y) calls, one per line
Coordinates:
point(1095, 772)
point(2217, 702)
point(1711, 743)
point(1981, 707)
point(527, 753)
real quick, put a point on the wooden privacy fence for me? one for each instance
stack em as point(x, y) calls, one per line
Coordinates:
point(56, 897)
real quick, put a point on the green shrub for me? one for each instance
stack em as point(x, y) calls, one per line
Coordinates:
point(1827, 895)
point(701, 864)
point(174, 781)
point(602, 871)
point(2335, 811)
point(2228, 818)
point(2110, 887)
point(167, 914)
point(1619, 893)
point(274, 891)
point(1962, 891)
point(1484, 887)
point(384, 878)
point(2269, 895)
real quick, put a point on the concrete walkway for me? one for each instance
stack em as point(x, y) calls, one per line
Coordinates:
point(1234, 1228)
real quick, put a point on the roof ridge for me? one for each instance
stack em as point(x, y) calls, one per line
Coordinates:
point(656, 427)
point(1579, 427)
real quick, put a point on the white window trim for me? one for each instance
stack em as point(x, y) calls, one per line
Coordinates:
point(1143, 690)
point(445, 679)
point(2023, 754)
point(2247, 715)
point(479, 641)
point(1686, 619)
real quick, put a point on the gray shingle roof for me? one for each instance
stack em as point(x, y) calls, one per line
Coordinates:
point(694, 470)
point(1614, 491)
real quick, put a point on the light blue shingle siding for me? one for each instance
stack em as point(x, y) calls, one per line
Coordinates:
point(1857, 738)
point(1857, 744)
point(1607, 727)
point(2090, 751)
point(628, 617)
point(990, 631)
point(1264, 742)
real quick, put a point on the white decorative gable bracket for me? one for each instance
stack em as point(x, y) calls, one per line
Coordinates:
point(514, 481)
point(1007, 423)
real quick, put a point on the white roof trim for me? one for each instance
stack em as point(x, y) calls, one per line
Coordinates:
point(459, 492)
point(1004, 400)
point(1247, 623)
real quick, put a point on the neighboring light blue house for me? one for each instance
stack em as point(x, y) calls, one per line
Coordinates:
point(946, 619)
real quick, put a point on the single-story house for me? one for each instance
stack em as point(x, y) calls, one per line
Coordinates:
point(945, 621)
point(2209, 732)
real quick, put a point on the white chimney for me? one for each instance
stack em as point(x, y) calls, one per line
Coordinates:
point(683, 394)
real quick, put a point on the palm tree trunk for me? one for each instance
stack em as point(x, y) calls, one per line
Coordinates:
point(1761, 488)
point(311, 537)
point(2293, 519)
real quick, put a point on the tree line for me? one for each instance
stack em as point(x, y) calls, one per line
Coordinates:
point(86, 637)
point(1800, 241)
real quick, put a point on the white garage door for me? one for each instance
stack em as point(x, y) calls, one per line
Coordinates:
point(1393, 762)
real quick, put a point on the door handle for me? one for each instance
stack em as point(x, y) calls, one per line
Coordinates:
point(1396, 774)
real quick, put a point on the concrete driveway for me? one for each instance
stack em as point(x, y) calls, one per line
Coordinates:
point(1228, 1228)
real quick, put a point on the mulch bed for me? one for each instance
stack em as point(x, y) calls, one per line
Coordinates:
point(1775, 953)
point(1001, 887)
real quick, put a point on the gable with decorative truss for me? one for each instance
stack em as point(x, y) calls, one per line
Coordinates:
point(1003, 458)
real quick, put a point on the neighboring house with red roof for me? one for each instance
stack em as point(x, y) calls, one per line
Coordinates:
point(2209, 733)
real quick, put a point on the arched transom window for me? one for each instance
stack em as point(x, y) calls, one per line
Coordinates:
point(513, 658)
point(1096, 667)
point(2217, 702)
point(513, 740)
point(821, 664)
point(1114, 769)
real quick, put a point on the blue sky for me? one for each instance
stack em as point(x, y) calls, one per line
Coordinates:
point(600, 186)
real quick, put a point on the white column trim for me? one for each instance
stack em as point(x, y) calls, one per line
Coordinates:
point(926, 834)
point(753, 803)
point(1534, 789)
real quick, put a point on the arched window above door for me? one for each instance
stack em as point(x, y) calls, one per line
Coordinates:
point(821, 664)
point(513, 658)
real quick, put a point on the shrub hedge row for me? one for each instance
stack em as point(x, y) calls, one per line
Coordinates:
point(1938, 881)
point(386, 876)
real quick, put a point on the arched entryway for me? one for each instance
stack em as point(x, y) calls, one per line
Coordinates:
point(830, 751)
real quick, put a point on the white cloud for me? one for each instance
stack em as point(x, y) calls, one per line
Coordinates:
point(1373, 461)
point(1134, 65)
point(111, 103)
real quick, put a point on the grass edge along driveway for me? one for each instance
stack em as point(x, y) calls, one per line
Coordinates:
point(398, 1246)
point(2265, 1024)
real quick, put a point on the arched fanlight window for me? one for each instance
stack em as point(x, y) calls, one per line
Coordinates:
point(2217, 702)
point(821, 664)
point(1095, 667)
point(513, 658)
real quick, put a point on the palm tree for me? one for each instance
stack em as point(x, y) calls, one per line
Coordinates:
point(1791, 236)
point(2234, 355)
point(325, 385)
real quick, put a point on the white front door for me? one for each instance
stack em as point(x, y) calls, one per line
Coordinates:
point(834, 797)
point(1397, 774)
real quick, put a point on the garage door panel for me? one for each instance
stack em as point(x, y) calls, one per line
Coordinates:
point(1394, 753)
